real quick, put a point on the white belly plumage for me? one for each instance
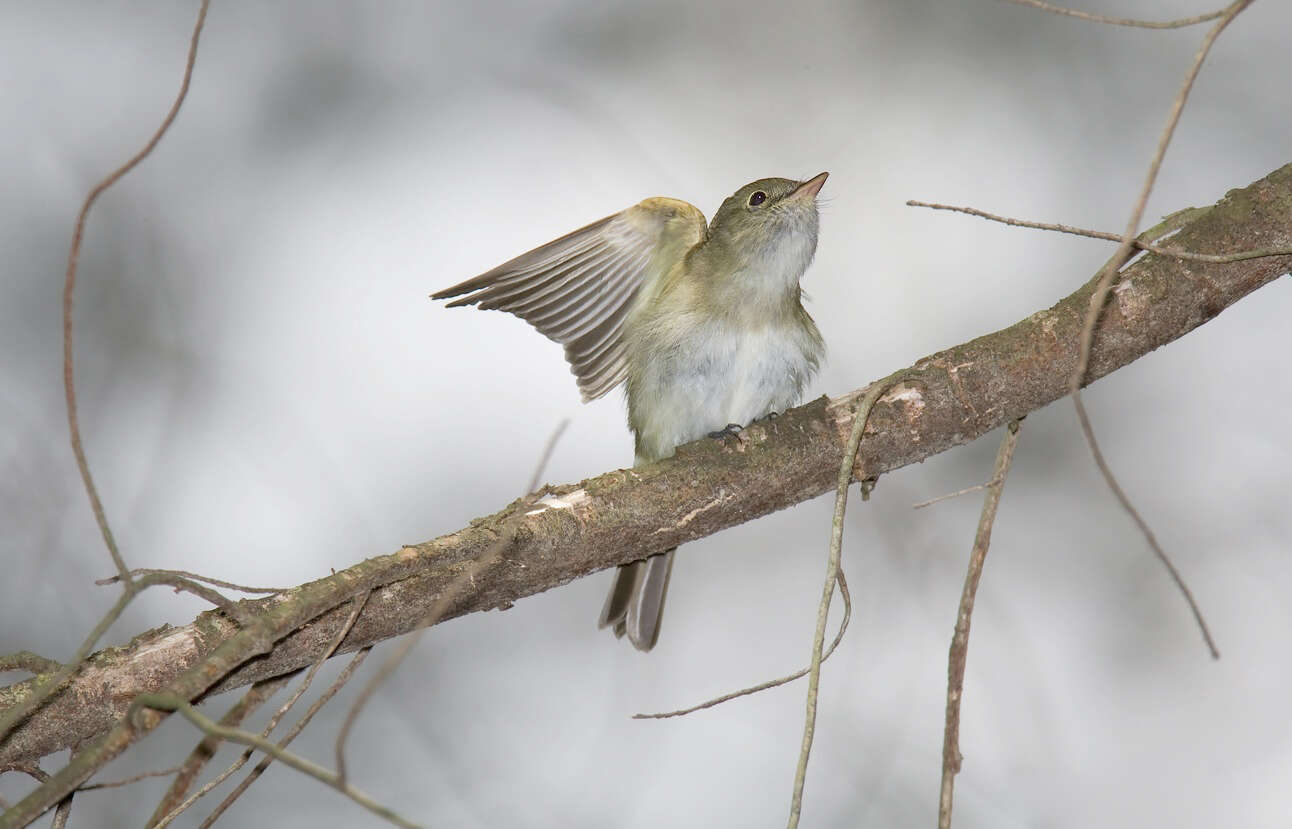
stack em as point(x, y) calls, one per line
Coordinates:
point(714, 377)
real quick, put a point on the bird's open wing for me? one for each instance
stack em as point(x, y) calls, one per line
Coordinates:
point(577, 290)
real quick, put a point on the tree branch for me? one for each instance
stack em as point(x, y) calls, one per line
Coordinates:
point(948, 399)
point(958, 655)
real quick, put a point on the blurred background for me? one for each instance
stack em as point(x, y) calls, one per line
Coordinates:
point(267, 392)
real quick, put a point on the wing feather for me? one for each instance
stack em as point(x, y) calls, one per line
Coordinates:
point(555, 277)
point(587, 308)
point(572, 292)
point(578, 290)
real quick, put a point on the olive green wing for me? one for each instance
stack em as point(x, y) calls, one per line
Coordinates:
point(579, 289)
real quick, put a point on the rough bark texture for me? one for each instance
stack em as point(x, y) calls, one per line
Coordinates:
point(944, 400)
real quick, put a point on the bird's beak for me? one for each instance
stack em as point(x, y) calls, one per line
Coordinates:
point(808, 189)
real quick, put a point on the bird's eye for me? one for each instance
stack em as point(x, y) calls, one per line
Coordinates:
point(757, 198)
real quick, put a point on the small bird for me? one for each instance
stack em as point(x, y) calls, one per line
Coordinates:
point(705, 325)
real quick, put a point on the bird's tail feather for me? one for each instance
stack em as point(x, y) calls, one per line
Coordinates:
point(635, 605)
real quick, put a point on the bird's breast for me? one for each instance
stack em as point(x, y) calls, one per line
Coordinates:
point(699, 378)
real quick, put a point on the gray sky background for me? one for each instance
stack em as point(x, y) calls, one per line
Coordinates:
point(267, 392)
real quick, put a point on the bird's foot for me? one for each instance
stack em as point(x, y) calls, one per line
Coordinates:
point(730, 430)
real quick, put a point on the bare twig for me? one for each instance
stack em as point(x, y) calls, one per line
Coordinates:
point(546, 455)
point(182, 585)
point(948, 496)
point(32, 663)
point(167, 702)
point(164, 817)
point(278, 616)
point(1141, 242)
point(30, 769)
point(116, 784)
point(442, 603)
point(178, 809)
point(1121, 21)
point(26, 768)
point(184, 574)
point(358, 603)
point(206, 748)
point(951, 758)
point(64, 809)
point(846, 467)
point(62, 812)
point(775, 683)
point(69, 288)
point(1100, 297)
point(324, 698)
point(20, 710)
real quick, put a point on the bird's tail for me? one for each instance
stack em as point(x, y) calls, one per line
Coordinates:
point(636, 601)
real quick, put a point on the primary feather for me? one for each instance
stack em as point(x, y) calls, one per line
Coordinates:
point(578, 290)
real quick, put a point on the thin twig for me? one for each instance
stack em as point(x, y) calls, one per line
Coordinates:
point(206, 788)
point(442, 603)
point(959, 653)
point(64, 805)
point(16, 713)
point(846, 466)
point(114, 784)
point(1121, 21)
point(359, 603)
point(69, 288)
point(167, 702)
point(295, 730)
point(184, 574)
point(206, 748)
point(30, 769)
point(62, 812)
point(1100, 297)
point(164, 818)
point(33, 770)
point(32, 663)
point(775, 683)
point(1139, 242)
point(548, 449)
point(236, 611)
point(948, 496)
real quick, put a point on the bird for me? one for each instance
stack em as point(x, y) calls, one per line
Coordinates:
point(703, 324)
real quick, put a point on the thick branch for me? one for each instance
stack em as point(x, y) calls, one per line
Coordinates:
point(947, 399)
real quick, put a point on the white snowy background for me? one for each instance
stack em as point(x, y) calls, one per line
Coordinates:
point(267, 392)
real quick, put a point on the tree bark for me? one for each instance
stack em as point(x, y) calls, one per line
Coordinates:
point(942, 401)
